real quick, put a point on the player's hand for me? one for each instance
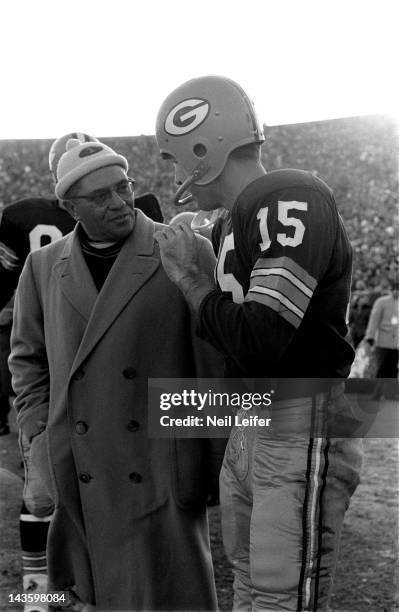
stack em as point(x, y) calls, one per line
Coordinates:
point(179, 252)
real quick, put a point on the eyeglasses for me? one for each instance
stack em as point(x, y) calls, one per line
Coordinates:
point(100, 197)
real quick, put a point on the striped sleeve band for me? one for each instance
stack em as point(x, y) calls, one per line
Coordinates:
point(8, 258)
point(282, 285)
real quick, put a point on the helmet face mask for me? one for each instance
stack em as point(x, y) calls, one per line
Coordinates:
point(201, 123)
point(183, 195)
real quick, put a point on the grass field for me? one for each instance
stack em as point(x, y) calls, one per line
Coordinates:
point(367, 578)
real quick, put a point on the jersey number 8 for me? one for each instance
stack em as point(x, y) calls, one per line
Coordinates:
point(40, 231)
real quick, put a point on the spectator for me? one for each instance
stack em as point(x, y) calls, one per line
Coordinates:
point(358, 318)
point(383, 333)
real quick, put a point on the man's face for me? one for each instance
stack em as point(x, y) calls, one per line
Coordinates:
point(105, 215)
point(207, 197)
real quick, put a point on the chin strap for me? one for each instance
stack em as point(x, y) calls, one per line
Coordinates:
point(198, 172)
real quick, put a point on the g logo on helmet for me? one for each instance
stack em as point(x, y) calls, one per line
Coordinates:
point(186, 116)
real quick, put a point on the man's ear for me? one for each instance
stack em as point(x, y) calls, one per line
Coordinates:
point(71, 208)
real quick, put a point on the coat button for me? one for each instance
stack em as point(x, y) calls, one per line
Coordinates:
point(135, 477)
point(133, 425)
point(129, 373)
point(81, 427)
point(79, 374)
point(85, 477)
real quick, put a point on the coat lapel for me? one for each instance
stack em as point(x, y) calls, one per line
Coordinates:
point(133, 267)
point(74, 277)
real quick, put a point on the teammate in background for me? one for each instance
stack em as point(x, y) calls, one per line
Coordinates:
point(25, 226)
point(283, 281)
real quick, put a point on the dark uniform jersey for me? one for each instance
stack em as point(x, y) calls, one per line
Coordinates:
point(284, 274)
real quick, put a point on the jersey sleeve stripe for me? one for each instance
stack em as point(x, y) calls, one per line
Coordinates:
point(8, 255)
point(280, 297)
point(283, 286)
point(274, 304)
point(8, 251)
point(288, 264)
point(287, 274)
point(6, 262)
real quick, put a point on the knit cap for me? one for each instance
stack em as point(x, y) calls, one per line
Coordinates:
point(82, 158)
point(58, 148)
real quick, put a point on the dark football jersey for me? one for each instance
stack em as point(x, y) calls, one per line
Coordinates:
point(149, 205)
point(284, 274)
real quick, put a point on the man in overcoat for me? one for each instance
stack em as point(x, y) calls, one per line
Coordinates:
point(96, 316)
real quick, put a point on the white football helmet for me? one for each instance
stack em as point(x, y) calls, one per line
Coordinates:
point(200, 123)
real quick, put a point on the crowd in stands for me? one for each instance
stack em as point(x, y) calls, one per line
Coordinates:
point(357, 157)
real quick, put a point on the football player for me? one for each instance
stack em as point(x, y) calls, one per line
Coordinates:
point(278, 311)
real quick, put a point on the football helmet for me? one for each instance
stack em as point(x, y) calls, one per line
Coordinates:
point(206, 219)
point(200, 123)
point(58, 148)
point(201, 222)
point(182, 217)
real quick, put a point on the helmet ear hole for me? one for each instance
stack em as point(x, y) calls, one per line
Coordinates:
point(200, 150)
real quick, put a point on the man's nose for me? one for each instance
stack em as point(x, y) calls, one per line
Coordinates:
point(115, 200)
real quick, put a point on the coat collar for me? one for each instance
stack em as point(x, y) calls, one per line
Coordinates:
point(135, 264)
point(74, 277)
